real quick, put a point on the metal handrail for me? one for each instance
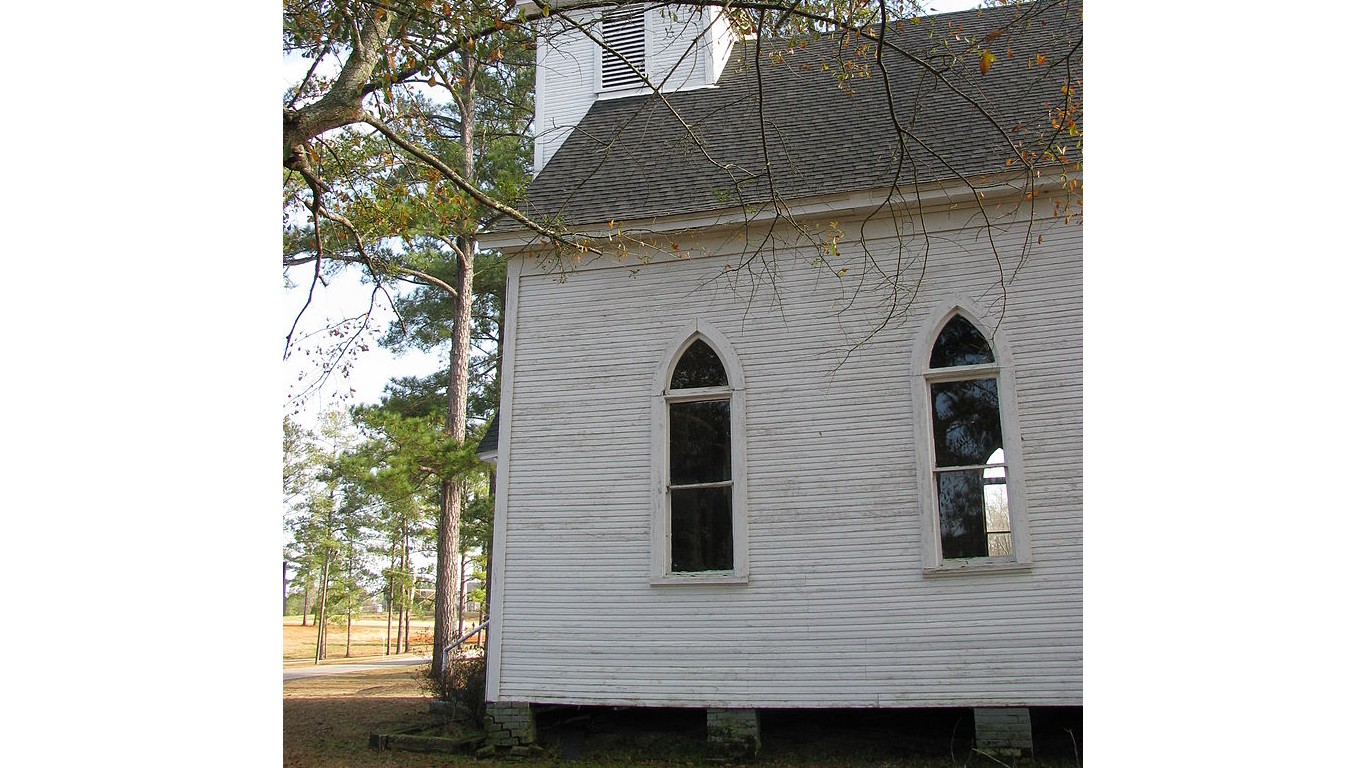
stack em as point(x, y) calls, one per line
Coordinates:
point(467, 636)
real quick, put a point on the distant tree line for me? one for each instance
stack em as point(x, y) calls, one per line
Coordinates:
point(362, 499)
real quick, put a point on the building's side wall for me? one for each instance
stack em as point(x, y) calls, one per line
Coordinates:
point(837, 610)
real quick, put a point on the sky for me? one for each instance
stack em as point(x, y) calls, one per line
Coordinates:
point(346, 296)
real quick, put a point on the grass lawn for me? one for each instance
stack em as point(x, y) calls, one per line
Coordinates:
point(367, 637)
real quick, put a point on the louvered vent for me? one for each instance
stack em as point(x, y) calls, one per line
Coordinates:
point(624, 33)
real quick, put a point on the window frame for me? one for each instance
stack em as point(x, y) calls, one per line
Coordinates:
point(661, 518)
point(925, 377)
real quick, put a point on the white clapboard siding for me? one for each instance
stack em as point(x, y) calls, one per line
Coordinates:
point(838, 609)
point(685, 48)
point(566, 83)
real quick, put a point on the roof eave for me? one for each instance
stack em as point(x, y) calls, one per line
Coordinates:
point(927, 198)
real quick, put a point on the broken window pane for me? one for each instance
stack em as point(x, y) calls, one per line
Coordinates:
point(974, 513)
point(967, 422)
point(997, 503)
point(699, 442)
point(698, 367)
point(700, 530)
point(960, 343)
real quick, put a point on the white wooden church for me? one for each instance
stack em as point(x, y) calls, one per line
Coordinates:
point(828, 385)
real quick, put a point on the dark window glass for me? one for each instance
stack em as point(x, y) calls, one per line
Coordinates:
point(698, 367)
point(967, 422)
point(700, 529)
point(699, 454)
point(699, 442)
point(962, 514)
point(960, 343)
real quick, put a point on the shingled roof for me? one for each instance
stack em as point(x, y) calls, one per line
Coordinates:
point(489, 442)
point(788, 123)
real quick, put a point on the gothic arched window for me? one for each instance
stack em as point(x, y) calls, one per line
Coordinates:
point(701, 524)
point(973, 513)
point(699, 463)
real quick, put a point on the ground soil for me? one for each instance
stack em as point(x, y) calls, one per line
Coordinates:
point(328, 721)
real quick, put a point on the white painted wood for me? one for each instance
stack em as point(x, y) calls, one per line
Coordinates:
point(685, 48)
point(837, 609)
point(497, 595)
point(566, 82)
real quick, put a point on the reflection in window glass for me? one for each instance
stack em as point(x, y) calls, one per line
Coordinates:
point(699, 442)
point(967, 422)
point(960, 343)
point(698, 367)
point(700, 530)
point(962, 522)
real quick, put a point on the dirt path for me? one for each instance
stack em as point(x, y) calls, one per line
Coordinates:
point(328, 720)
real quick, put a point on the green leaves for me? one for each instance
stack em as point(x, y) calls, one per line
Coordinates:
point(404, 454)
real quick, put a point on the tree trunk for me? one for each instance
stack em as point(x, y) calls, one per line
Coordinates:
point(389, 618)
point(407, 594)
point(320, 652)
point(447, 556)
point(457, 395)
point(408, 620)
point(307, 590)
point(350, 577)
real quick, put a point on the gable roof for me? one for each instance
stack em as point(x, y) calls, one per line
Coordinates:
point(781, 120)
point(488, 444)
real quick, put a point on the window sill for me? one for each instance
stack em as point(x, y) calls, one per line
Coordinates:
point(675, 580)
point(621, 91)
point(976, 566)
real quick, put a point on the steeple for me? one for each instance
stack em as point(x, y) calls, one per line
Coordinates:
point(630, 50)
